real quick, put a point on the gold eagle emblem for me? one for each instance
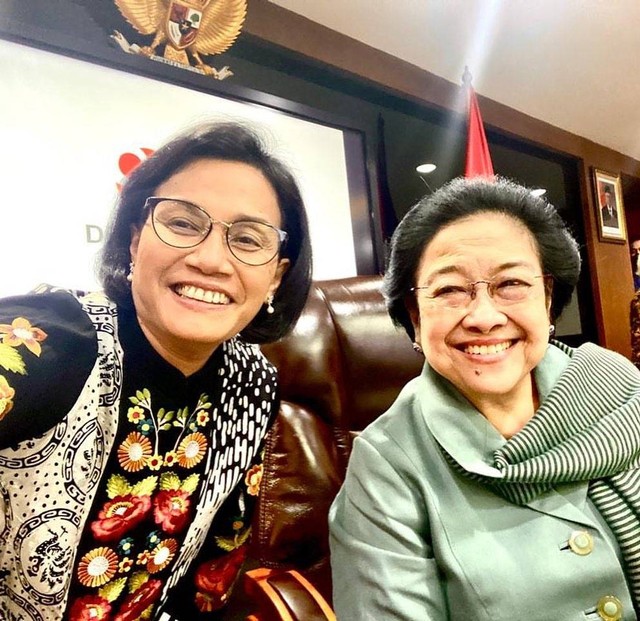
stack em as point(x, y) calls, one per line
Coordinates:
point(187, 28)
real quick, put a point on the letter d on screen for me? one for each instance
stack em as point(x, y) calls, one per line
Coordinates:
point(93, 233)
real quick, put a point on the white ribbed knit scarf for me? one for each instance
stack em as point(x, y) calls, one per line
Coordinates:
point(587, 429)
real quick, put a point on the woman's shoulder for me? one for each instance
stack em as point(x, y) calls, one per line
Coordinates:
point(598, 356)
point(48, 347)
point(250, 356)
point(47, 318)
point(400, 421)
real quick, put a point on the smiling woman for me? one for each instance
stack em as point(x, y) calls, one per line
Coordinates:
point(484, 340)
point(132, 421)
point(502, 483)
point(191, 299)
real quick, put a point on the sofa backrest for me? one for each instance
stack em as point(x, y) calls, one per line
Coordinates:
point(340, 368)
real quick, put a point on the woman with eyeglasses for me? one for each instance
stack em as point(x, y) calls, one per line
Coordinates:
point(132, 420)
point(503, 483)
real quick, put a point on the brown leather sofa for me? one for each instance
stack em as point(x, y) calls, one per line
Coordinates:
point(340, 368)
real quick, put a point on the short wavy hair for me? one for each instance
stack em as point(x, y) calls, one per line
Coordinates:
point(461, 198)
point(229, 141)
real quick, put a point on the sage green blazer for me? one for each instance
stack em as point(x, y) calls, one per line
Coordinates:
point(412, 539)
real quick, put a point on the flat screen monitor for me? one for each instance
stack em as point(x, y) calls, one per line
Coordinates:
point(71, 129)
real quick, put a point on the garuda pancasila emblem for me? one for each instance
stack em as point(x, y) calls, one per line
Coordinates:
point(187, 28)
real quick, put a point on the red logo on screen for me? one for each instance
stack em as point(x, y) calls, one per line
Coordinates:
point(129, 161)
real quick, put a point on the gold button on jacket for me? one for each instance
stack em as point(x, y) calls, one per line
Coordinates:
point(609, 608)
point(581, 542)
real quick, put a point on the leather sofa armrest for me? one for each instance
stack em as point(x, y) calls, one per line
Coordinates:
point(285, 596)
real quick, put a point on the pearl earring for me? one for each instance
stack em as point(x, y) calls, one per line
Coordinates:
point(416, 347)
point(130, 274)
point(552, 330)
point(269, 304)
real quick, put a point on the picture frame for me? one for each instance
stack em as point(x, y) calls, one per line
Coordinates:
point(609, 205)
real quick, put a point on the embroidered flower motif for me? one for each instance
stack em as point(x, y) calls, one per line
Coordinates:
point(143, 558)
point(171, 510)
point(231, 543)
point(252, 480)
point(138, 602)
point(154, 462)
point(90, 608)
point(125, 547)
point(6, 397)
point(97, 567)
point(203, 417)
point(21, 332)
point(119, 516)
point(135, 414)
point(192, 449)
point(214, 579)
point(125, 565)
point(153, 538)
point(161, 556)
point(204, 602)
point(170, 458)
point(134, 452)
point(145, 427)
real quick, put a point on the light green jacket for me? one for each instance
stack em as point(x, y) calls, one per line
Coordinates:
point(412, 539)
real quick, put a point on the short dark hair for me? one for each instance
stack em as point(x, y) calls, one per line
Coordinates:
point(229, 141)
point(461, 198)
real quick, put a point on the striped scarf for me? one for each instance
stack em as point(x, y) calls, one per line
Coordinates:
point(587, 429)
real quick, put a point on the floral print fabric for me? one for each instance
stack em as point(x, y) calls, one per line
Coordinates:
point(167, 527)
point(144, 511)
point(19, 332)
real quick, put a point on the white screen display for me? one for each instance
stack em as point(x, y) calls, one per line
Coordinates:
point(65, 126)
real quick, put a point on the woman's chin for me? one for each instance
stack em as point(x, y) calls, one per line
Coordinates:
point(486, 380)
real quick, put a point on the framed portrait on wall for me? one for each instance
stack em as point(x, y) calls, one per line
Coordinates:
point(609, 206)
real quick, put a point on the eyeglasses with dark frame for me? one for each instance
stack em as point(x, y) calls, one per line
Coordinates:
point(181, 224)
point(503, 290)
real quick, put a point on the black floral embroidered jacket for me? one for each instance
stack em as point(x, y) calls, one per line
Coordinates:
point(127, 489)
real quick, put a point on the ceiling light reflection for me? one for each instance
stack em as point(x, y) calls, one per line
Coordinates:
point(425, 169)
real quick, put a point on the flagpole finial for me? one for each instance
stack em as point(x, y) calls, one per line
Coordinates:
point(466, 76)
